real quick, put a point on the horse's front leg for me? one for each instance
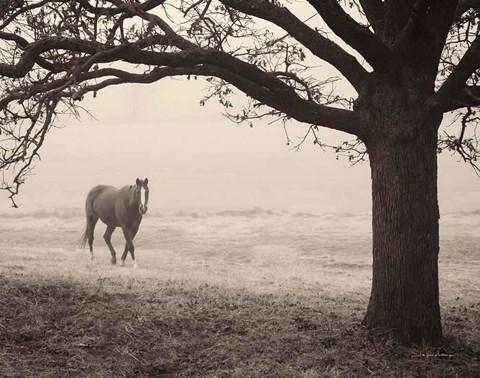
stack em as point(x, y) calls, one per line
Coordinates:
point(108, 237)
point(124, 255)
point(129, 235)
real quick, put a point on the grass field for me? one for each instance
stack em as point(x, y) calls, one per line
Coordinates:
point(231, 294)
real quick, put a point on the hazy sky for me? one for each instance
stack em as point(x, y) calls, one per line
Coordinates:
point(197, 160)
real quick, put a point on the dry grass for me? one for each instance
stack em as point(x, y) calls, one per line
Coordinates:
point(54, 328)
point(218, 297)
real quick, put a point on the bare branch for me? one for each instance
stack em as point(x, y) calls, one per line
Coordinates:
point(315, 42)
point(377, 54)
point(465, 97)
point(458, 78)
point(33, 141)
point(466, 147)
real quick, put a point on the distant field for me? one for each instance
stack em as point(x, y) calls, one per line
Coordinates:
point(252, 293)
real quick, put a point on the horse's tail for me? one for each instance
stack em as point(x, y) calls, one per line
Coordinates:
point(88, 213)
point(84, 238)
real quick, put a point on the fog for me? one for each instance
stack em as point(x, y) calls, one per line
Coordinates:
point(198, 160)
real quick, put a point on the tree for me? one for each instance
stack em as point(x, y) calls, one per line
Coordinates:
point(408, 62)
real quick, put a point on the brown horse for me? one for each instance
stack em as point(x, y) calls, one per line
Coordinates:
point(116, 208)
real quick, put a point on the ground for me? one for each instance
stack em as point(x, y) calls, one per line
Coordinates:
point(231, 294)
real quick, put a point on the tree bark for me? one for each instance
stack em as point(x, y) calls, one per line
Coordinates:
point(404, 300)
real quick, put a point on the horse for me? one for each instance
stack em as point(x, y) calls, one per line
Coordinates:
point(116, 208)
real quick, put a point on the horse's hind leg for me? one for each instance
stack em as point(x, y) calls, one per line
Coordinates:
point(91, 222)
point(108, 237)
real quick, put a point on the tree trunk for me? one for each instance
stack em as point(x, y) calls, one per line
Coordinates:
point(404, 301)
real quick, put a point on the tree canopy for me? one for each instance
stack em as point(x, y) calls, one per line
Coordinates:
point(54, 52)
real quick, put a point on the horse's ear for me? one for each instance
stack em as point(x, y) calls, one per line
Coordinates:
point(138, 181)
point(146, 181)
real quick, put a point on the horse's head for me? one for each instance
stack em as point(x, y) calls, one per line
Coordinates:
point(141, 195)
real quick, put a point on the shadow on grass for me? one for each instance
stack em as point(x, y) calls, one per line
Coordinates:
point(53, 328)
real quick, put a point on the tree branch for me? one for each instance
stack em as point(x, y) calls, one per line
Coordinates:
point(320, 46)
point(263, 86)
point(459, 76)
point(121, 6)
point(425, 27)
point(124, 77)
point(23, 44)
point(376, 53)
point(375, 13)
point(468, 96)
point(465, 5)
point(33, 142)
point(34, 49)
point(286, 102)
point(289, 102)
point(465, 146)
point(27, 8)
